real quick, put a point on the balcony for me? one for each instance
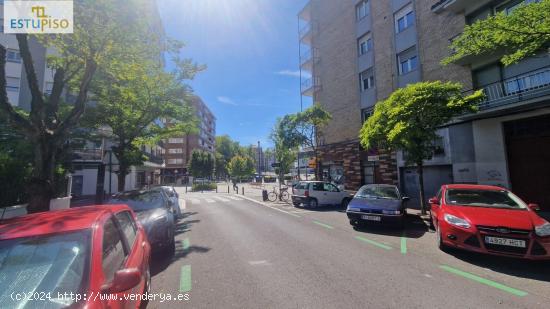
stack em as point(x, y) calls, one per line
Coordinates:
point(310, 86)
point(305, 13)
point(153, 158)
point(308, 58)
point(87, 155)
point(457, 6)
point(306, 33)
point(526, 88)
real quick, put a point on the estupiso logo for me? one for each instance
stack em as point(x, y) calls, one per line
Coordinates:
point(38, 16)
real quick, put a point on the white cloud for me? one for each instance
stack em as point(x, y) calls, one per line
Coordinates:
point(289, 73)
point(226, 100)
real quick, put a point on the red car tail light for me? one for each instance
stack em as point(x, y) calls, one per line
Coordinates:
point(306, 193)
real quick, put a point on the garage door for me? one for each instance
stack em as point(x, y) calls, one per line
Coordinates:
point(528, 150)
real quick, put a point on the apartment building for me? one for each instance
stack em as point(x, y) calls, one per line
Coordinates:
point(357, 52)
point(178, 149)
point(88, 157)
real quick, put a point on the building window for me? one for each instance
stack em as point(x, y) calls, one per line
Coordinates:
point(12, 84)
point(366, 79)
point(175, 140)
point(175, 150)
point(175, 161)
point(407, 61)
point(48, 88)
point(362, 9)
point(366, 113)
point(404, 18)
point(13, 55)
point(365, 44)
point(369, 173)
point(511, 6)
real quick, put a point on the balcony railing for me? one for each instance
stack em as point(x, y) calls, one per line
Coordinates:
point(308, 57)
point(95, 154)
point(306, 28)
point(153, 158)
point(519, 88)
point(310, 85)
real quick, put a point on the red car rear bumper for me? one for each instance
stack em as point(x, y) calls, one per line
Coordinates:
point(537, 248)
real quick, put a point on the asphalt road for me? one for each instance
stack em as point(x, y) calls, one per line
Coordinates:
point(237, 253)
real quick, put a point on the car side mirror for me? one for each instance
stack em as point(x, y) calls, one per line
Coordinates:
point(534, 207)
point(405, 198)
point(434, 200)
point(124, 280)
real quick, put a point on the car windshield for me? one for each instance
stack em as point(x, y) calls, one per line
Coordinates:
point(139, 200)
point(484, 198)
point(384, 192)
point(48, 264)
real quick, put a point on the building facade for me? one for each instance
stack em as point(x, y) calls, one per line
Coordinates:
point(178, 149)
point(357, 52)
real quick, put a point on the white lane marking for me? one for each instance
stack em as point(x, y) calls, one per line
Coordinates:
point(235, 198)
point(209, 200)
point(221, 199)
point(274, 208)
point(195, 201)
point(257, 263)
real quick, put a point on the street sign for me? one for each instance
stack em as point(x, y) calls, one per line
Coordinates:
point(276, 164)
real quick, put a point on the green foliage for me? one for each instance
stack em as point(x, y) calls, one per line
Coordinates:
point(201, 164)
point(409, 118)
point(522, 33)
point(226, 148)
point(286, 144)
point(203, 187)
point(301, 129)
point(240, 167)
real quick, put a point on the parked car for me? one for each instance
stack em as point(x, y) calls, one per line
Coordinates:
point(173, 197)
point(377, 203)
point(318, 193)
point(154, 212)
point(490, 220)
point(79, 251)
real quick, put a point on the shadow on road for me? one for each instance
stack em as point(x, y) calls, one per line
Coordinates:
point(536, 270)
point(414, 228)
point(336, 208)
point(162, 259)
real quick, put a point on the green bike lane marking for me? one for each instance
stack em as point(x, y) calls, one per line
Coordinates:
point(484, 281)
point(185, 279)
point(372, 242)
point(323, 225)
point(186, 244)
point(404, 243)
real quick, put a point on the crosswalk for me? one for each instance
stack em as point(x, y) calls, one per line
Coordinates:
point(212, 199)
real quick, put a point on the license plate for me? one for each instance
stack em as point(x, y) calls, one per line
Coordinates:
point(371, 218)
point(505, 242)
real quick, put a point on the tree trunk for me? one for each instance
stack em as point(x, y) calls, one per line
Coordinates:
point(318, 171)
point(41, 186)
point(122, 172)
point(421, 185)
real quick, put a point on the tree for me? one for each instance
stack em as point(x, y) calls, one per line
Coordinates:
point(518, 33)
point(285, 148)
point(201, 164)
point(103, 32)
point(132, 100)
point(409, 119)
point(226, 149)
point(305, 129)
point(240, 167)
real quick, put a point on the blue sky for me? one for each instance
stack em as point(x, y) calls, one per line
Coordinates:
point(251, 50)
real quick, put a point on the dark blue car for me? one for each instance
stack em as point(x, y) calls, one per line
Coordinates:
point(377, 203)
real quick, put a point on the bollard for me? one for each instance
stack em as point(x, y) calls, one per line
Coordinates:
point(227, 189)
point(216, 189)
point(185, 188)
point(243, 190)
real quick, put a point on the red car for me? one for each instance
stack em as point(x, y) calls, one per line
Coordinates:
point(490, 220)
point(67, 258)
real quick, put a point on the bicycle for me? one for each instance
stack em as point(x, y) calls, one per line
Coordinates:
point(283, 195)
